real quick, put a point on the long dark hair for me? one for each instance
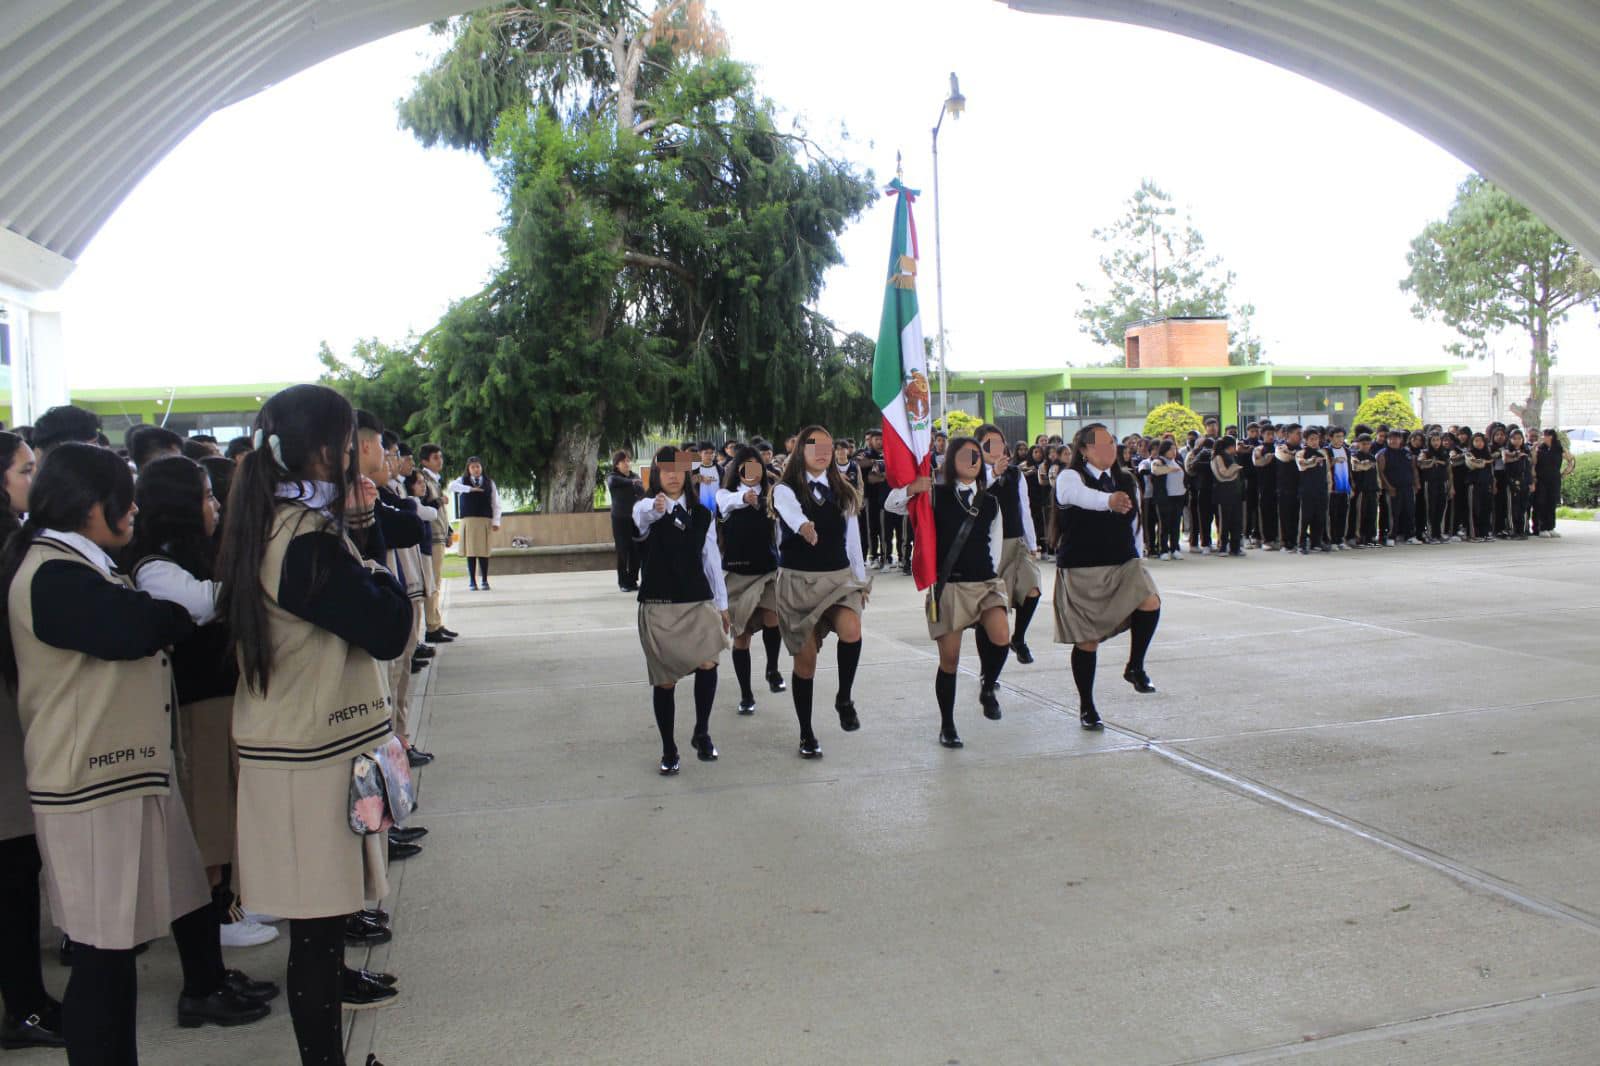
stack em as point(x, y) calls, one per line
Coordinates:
point(1080, 464)
point(65, 490)
point(171, 495)
point(947, 469)
point(486, 483)
point(668, 454)
point(10, 521)
point(297, 430)
point(794, 475)
point(742, 455)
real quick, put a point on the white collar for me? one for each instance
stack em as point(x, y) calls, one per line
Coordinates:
point(1094, 471)
point(317, 495)
point(682, 501)
point(817, 479)
point(83, 546)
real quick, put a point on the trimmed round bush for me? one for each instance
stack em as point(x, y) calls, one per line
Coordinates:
point(1390, 409)
point(1172, 418)
point(1581, 488)
point(962, 424)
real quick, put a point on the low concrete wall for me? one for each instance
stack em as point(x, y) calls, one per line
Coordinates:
point(561, 543)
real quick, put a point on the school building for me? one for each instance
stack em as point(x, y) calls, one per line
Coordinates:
point(1177, 360)
point(223, 411)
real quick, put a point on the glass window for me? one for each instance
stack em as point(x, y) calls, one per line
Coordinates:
point(1099, 403)
point(970, 402)
point(1206, 402)
point(223, 425)
point(116, 427)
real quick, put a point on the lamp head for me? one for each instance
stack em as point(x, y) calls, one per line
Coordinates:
point(955, 103)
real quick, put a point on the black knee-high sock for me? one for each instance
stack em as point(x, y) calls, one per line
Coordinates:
point(1083, 676)
point(22, 990)
point(772, 639)
point(1142, 629)
point(99, 1010)
point(944, 689)
point(849, 659)
point(800, 689)
point(666, 705)
point(483, 566)
point(199, 951)
point(705, 694)
point(741, 670)
point(316, 966)
point(1025, 611)
point(991, 657)
point(472, 569)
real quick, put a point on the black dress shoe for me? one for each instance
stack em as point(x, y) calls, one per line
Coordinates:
point(418, 665)
point(387, 980)
point(360, 992)
point(747, 706)
point(989, 701)
point(241, 984)
point(670, 764)
point(848, 720)
point(31, 1031)
point(438, 636)
point(447, 631)
point(1138, 679)
point(372, 1060)
point(775, 681)
point(424, 652)
point(408, 834)
point(375, 915)
point(1089, 718)
point(485, 585)
point(703, 747)
point(399, 852)
point(809, 748)
point(223, 1007)
point(417, 757)
point(361, 933)
point(1019, 648)
point(950, 739)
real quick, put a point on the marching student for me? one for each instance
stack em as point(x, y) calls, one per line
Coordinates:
point(1227, 494)
point(1550, 464)
point(683, 602)
point(87, 654)
point(1398, 475)
point(313, 621)
point(970, 592)
point(1006, 482)
point(1518, 477)
point(1433, 468)
point(1263, 458)
point(706, 476)
point(750, 562)
point(1479, 462)
point(31, 1018)
point(1038, 487)
point(478, 507)
point(822, 577)
point(1102, 587)
point(1314, 479)
point(1167, 481)
point(625, 489)
point(430, 464)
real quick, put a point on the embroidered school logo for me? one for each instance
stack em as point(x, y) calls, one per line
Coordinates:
point(918, 398)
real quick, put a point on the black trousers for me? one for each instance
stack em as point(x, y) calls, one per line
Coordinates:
point(622, 534)
point(1502, 502)
point(21, 981)
point(1313, 520)
point(1230, 522)
point(1437, 496)
point(1339, 517)
point(1403, 513)
point(1480, 510)
point(894, 536)
point(1364, 515)
point(1545, 500)
point(1170, 515)
point(874, 523)
point(1519, 509)
point(1289, 518)
point(1252, 511)
point(1267, 502)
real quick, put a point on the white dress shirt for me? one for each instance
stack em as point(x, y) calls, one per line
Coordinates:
point(1072, 492)
point(1029, 537)
point(166, 580)
point(900, 503)
point(461, 488)
point(645, 516)
point(84, 547)
point(794, 516)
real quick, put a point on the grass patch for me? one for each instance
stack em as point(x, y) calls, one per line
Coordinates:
point(1578, 514)
point(455, 566)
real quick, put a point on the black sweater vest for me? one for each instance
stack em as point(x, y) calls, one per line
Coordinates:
point(974, 563)
point(1005, 489)
point(1094, 538)
point(476, 504)
point(671, 555)
point(747, 541)
point(829, 552)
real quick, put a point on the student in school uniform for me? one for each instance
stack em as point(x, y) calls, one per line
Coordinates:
point(430, 464)
point(683, 601)
point(1397, 472)
point(1364, 492)
point(750, 563)
point(478, 508)
point(1550, 464)
point(1287, 475)
point(625, 489)
point(1227, 494)
point(1102, 587)
point(89, 656)
point(1019, 571)
point(1518, 478)
point(1167, 484)
point(1252, 496)
point(1433, 471)
point(1479, 462)
point(1312, 463)
point(32, 1018)
point(970, 592)
point(314, 619)
point(822, 577)
point(1263, 460)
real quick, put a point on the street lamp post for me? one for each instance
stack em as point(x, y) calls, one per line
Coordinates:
point(953, 105)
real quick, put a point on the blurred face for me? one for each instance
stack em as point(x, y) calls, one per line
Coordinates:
point(624, 466)
point(673, 472)
point(818, 451)
point(766, 455)
point(406, 465)
point(939, 445)
point(19, 478)
point(994, 451)
point(1479, 441)
point(475, 469)
point(1313, 439)
point(210, 510)
point(371, 456)
point(750, 473)
point(965, 462)
point(110, 532)
point(1516, 438)
point(708, 456)
point(391, 462)
point(1100, 449)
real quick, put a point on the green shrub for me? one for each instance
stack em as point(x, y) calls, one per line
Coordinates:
point(961, 423)
point(1172, 418)
point(1390, 409)
point(1581, 488)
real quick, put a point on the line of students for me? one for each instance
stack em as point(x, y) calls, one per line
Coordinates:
point(779, 550)
point(249, 665)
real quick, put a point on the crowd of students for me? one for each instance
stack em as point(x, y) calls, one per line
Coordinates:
point(202, 644)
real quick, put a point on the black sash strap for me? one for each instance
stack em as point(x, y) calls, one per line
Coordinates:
point(953, 552)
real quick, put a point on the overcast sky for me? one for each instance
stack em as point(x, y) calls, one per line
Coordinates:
point(305, 214)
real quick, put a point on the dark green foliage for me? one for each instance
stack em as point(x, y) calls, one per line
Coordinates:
point(381, 379)
point(1581, 488)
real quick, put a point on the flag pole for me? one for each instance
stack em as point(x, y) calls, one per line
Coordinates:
point(954, 104)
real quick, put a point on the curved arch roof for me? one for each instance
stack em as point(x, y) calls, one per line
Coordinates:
point(93, 93)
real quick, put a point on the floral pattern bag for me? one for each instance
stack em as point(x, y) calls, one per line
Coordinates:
point(382, 793)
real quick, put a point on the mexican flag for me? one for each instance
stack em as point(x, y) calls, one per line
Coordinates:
point(900, 384)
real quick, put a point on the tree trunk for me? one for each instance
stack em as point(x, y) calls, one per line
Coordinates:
point(567, 486)
point(1531, 414)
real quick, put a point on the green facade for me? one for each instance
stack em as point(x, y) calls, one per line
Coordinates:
point(222, 410)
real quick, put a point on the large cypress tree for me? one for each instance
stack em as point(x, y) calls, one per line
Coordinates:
point(663, 239)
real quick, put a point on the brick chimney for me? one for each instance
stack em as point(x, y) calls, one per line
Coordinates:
point(1176, 342)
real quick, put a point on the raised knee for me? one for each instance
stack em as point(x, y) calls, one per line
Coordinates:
point(1091, 645)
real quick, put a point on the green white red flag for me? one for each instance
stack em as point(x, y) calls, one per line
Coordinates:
point(900, 384)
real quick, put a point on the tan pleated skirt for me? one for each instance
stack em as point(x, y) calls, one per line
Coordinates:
point(1095, 603)
point(678, 637)
point(208, 775)
point(297, 855)
point(475, 537)
point(118, 875)
point(748, 594)
point(1018, 570)
point(962, 603)
point(804, 598)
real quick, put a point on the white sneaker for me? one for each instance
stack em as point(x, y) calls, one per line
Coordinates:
point(1177, 556)
point(1413, 540)
point(247, 934)
point(1553, 533)
point(262, 919)
point(1388, 544)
